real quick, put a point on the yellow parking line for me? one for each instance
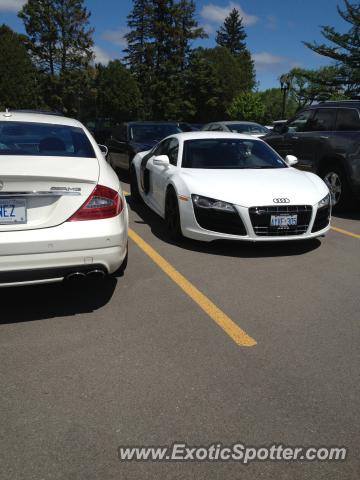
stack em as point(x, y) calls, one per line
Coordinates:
point(345, 232)
point(240, 337)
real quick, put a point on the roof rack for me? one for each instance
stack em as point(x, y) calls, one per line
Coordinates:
point(38, 112)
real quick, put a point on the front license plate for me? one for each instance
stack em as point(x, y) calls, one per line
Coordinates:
point(283, 221)
point(12, 211)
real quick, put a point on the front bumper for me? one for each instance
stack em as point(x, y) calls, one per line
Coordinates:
point(47, 255)
point(192, 229)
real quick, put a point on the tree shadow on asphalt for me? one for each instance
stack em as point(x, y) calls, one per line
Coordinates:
point(228, 248)
point(349, 214)
point(40, 302)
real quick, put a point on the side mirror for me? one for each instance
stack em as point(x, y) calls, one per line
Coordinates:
point(161, 161)
point(104, 150)
point(291, 160)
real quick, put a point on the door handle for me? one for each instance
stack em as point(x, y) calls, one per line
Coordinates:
point(324, 137)
point(295, 137)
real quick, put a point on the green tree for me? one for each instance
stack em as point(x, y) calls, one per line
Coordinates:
point(60, 43)
point(232, 36)
point(159, 45)
point(272, 100)
point(213, 79)
point(18, 79)
point(309, 86)
point(344, 51)
point(118, 94)
point(247, 106)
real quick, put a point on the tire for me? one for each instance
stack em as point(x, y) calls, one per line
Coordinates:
point(134, 187)
point(335, 178)
point(172, 216)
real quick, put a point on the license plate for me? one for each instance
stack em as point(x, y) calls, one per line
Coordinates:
point(283, 221)
point(12, 211)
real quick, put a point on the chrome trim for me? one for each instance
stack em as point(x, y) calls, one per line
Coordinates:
point(39, 194)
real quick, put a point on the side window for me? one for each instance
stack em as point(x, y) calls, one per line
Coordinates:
point(161, 149)
point(173, 151)
point(300, 122)
point(347, 119)
point(119, 133)
point(324, 120)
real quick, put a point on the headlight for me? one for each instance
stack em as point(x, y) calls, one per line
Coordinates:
point(211, 203)
point(324, 202)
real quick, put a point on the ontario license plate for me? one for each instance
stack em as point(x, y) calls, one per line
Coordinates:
point(283, 221)
point(12, 211)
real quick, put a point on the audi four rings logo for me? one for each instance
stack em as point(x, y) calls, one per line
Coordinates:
point(281, 200)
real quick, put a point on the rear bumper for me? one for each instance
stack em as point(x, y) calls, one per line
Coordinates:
point(46, 255)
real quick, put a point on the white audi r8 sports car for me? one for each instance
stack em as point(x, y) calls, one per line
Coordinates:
point(214, 185)
point(62, 211)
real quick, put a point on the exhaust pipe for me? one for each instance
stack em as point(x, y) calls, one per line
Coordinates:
point(95, 274)
point(75, 277)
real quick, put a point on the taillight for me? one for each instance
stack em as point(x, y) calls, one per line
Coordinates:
point(102, 203)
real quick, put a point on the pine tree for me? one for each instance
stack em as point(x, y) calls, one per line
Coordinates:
point(158, 50)
point(345, 51)
point(18, 79)
point(59, 35)
point(60, 43)
point(232, 34)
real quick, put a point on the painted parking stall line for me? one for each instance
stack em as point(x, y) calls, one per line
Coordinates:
point(239, 336)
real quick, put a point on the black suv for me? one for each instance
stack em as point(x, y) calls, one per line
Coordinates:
point(326, 140)
point(127, 139)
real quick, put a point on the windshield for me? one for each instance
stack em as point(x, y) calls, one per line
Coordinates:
point(251, 128)
point(42, 139)
point(225, 153)
point(152, 133)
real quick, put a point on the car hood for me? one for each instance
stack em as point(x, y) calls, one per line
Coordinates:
point(256, 187)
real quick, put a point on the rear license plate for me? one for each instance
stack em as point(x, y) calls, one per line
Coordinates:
point(283, 221)
point(12, 211)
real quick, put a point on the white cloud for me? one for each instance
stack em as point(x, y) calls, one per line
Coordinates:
point(271, 22)
point(117, 37)
point(11, 5)
point(268, 61)
point(216, 14)
point(101, 55)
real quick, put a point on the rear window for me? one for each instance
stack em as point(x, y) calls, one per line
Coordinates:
point(42, 139)
point(347, 119)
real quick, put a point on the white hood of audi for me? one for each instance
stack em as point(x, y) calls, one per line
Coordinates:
point(249, 188)
point(224, 185)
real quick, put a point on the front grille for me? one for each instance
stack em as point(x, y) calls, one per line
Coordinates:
point(220, 221)
point(261, 216)
point(322, 219)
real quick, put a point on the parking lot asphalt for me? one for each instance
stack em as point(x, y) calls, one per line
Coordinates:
point(151, 358)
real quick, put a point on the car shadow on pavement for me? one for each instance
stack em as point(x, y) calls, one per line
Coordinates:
point(227, 248)
point(40, 302)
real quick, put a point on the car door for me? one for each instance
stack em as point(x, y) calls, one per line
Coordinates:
point(159, 175)
point(119, 147)
point(315, 142)
point(286, 140)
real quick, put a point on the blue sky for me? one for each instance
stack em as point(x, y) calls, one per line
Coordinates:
point(275, 29)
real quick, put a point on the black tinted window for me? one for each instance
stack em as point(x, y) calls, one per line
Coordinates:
point(347, 119)
point(300, 122)
point(152, 132)
point(323, 120)
point(225, 153)
point(173, 150)
point(119, 133)
point(42, 139)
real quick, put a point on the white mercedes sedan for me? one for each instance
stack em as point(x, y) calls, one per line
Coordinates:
point(214, 185)
point(62, 212)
